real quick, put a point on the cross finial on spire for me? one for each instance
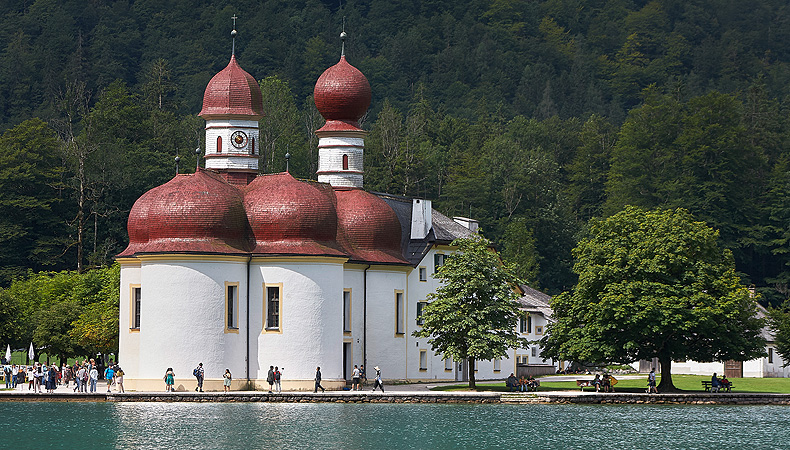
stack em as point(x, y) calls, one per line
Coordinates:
point(343, 39)
point(233, 35)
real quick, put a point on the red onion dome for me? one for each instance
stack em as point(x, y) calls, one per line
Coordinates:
point(342, 93)
point(232, 91)
point(368, 227)
point(288, 216)
point(191, 213)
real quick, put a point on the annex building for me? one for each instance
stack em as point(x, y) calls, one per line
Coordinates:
point(244, 271)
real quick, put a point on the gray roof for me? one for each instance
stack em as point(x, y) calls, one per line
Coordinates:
point(766, 332)
point(535, 301)
point(443, 229)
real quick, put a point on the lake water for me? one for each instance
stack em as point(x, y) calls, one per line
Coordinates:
point(390, 426)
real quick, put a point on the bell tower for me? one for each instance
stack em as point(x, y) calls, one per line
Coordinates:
point(232, 106)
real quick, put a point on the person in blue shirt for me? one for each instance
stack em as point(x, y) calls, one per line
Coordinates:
point(109, 375)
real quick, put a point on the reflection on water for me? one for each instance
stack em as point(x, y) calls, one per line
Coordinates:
point(389, 426)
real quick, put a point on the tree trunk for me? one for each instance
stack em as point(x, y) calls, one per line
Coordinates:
point(472, 373)
point(666, 375)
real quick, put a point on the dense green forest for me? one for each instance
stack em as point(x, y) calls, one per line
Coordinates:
point(531, 116)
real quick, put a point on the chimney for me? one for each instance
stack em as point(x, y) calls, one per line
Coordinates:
point(421, 221)
point(470, 224)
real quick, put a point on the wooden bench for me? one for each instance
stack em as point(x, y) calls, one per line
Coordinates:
point(706, 385)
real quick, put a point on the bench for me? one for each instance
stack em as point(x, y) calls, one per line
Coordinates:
point(585, 383)
point(706, 385)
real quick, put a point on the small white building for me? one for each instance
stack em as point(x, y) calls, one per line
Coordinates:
point(767, 366)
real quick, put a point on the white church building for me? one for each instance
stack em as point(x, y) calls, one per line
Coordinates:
point(244, 271)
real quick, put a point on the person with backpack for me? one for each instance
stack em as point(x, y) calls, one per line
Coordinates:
point(270, 378)
point(198, 373)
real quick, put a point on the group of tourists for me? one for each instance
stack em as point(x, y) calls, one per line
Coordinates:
point(200, 374)
point(274, 378)
point(522, 384)
point(46, 378)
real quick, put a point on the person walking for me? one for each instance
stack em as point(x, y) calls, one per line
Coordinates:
point(377, 382)
point(38, 376)
point(199, 374)
point(119, 378)
point(14, 376)
point(31, 375)
point(109, 375)
point(318, 381)
point(93, 374)
point(651, 381)
point(278, 388)
point(226, 379)
point(7, 376)
point(362, 377)
point(170, 379)
point(270, 378)
point(355, 379)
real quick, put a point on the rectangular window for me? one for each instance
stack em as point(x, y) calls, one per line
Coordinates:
point(534, 352)
point(770, 355)
point(420, 308)
point(423, 274)
point(523, 324)
point(347, 311)
point(538, 329)
point(448, 364)
point(273, 307)
point(497, 365)
point(231, 307)
point(136, 296)
point(423, 359)
point(399, 312)
point(438, 261)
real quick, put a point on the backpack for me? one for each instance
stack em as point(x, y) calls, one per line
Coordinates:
point(195, 372)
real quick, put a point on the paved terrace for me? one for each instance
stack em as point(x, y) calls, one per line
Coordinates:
point(409, 393)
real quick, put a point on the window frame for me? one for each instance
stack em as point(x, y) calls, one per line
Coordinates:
point(423, 360)
point(279, 328)
point(400, 313)
point(231, 307)
point(449, 362)
point(423, 274)
point(538, 330)
point(347, 304)
point(439, 260)
point(497, 364)
point(420, 308)
point(135, 303)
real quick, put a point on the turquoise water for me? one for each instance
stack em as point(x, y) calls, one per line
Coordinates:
point(390, 426)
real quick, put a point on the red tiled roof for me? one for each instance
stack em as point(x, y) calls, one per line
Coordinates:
point(291, 216)
point(342, 93)
point(368, 227)
point(198, 212)
point(232, 91)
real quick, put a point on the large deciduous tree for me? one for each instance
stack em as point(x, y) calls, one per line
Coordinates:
point(473, 315)
point(654, 284)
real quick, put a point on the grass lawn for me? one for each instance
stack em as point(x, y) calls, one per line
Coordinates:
point(689, 383)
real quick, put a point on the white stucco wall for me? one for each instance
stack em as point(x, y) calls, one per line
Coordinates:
point(182, 318)
point(311, 318)
point(128, 339)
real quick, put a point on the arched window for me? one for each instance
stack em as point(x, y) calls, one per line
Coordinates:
point(252, 143)
point(219, 144)
point(345, 162)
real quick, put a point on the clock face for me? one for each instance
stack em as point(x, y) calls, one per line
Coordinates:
point(238, 139)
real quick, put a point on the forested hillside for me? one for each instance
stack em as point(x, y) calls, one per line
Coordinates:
point(531, 116)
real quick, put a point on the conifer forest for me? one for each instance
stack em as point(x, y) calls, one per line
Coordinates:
point(531, 116)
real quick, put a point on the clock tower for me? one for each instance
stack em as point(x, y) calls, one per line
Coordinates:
point(232, 106)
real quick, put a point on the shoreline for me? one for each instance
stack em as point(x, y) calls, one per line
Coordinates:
point(557, 397)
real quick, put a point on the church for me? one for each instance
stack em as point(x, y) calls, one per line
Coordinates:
point(239, 270)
